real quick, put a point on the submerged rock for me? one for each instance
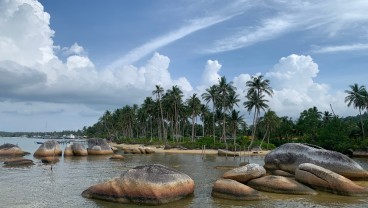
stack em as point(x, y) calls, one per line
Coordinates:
point(148, 184)
point(289, 156)
point(99, 147)
point(49, 148)
point(8, 149)
point(18, 162)
point(50, 159)
point(322, 179)
point(280, 184)
point(222, 152)
point(245, 173)
point(231, 189)
point(117, 157)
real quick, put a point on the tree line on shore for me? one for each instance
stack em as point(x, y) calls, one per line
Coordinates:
point(214, 120)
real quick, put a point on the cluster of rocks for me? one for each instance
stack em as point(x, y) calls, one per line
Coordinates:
point(293, 169)
point(14, 154)
point(138, 150)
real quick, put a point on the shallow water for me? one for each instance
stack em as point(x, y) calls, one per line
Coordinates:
point(39, 186)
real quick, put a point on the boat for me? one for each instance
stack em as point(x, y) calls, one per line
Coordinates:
point(39, 142)
point(222, 152)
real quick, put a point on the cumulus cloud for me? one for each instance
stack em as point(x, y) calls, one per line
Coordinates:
point(210, 74)
point(295, 88)
point(74, 49)
point(31, 70)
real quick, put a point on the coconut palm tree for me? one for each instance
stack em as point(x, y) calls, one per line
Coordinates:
point(257, 86)
point(158, 92)
point(211, 96)
point(194, 105)
point(356, 97)
point(235, 119)
point(257, 102)
point(224, 89)
point(270, 121)
point(175, 96)
point(148, 106)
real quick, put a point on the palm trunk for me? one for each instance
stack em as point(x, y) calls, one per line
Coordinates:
point(234, 134)
point(264, 136)
point(193, 127)
point(361, 122)
point(253, 130)
point(213, 123)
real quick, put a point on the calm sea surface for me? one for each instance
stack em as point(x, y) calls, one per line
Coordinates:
point(39, 186)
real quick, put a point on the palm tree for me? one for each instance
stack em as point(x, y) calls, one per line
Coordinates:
point(357, 97)
point(175, 95)
point(271, 121)
point(211, 96)
point(327, 116)
point(194, 105)
point(235, 119)
point(158, 92)
point(256, 87)
point(224, 89)
point(205, 113)
point(148, 106)
point(256, 102)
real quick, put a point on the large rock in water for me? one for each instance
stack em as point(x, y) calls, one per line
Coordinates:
point(326, 180)
point(99, 147)
point(79, 150)
point(245, 173)
point(75, 149)
point(289, 156)
point(230, 189)
point(18, 162)
point(48, 148)
point(11, 150)
point(68, 151)
point(148, 184)
point(280, 184)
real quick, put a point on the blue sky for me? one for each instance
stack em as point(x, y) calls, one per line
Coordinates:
point(63, 63)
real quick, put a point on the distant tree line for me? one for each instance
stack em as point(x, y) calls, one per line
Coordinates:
point(166, 118)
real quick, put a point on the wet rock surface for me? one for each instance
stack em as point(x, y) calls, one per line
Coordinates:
point(289, 156)
point(322, 179)
point(231, 189)
point(148, 184)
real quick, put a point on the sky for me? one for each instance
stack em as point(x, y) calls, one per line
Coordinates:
point(64, 63)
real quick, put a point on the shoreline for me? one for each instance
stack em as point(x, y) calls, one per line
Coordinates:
point(188, 151)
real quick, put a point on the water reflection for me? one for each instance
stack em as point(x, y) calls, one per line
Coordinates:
point(39, 186)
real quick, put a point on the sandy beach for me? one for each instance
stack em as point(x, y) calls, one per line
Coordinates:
point(181, 151)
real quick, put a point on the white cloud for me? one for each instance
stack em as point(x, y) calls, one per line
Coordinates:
point(210, 74)
point(227, 12)
point(75, 49)
point(269, 29)
point(328, 19)
point(25, 35)
point(31, 72)
point(296, 90)
point(339, 48)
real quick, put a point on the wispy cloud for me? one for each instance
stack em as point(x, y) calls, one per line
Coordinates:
point(194, 25)
point(269, 29)
point(324, 19)
point(339, 48)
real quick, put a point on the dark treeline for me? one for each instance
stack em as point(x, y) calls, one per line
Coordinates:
point(54, 134)
point(167, 118)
